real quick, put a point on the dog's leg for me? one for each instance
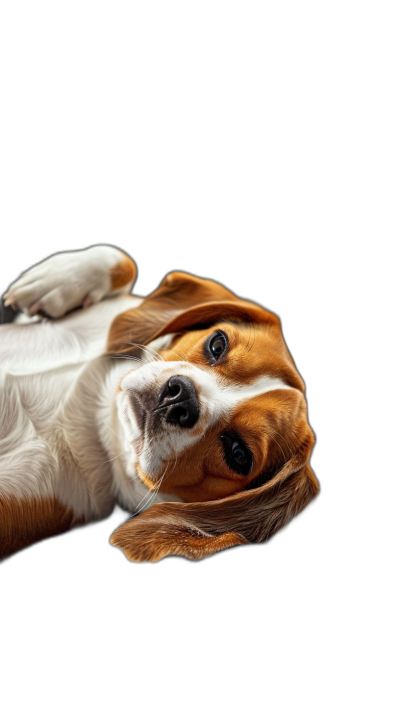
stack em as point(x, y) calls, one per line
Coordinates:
point(74, 279)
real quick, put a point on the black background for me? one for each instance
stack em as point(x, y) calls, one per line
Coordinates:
point(261, 218)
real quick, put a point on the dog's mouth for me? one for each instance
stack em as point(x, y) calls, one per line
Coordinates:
point(157, 421)
point(139, 411)
point(164, 408)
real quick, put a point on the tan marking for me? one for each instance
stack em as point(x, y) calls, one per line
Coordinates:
point(181, 301)
point(218, 508)
point(255, 351)
point(196, 530)
point(148, 482)
point(144, 541)
point(273, 425)
point(123, 273)
point(25, 522)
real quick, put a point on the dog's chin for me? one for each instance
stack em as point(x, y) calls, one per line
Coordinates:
point(133, 426)
point(142, 423)
point(143, 432)
point(145, 478)
point(139, 418)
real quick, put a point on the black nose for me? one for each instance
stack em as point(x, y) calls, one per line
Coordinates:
point(177, 402)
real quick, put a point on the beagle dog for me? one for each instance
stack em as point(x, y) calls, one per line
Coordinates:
point(184, 407)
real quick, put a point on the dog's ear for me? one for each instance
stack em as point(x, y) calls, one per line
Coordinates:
point(196, 530)
point(181, 301)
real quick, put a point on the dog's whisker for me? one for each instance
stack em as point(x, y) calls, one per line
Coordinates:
point(158, 484)
point(181, 357)
point(153, 413)
point(134, 477)
point(109, 427)
point(146, 495)
point(156, 354)
point(278, 444)
point(137, 359)
point(252, 338)
point(153, 493)
point(283, 439)
point(174, 464)
point(113, 458)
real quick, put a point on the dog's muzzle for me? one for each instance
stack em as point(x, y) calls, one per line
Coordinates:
point(177, 402)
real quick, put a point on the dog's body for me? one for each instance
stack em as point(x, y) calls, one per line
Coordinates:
point(207, 413)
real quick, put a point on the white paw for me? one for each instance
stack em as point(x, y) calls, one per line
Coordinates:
point(61, 283)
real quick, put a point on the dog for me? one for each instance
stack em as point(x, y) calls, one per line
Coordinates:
point(184, 407)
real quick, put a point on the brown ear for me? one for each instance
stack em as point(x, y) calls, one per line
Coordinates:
point(181, 301)
point(196, 530)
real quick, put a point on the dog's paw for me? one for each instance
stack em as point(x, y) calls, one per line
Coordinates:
point(59, 284)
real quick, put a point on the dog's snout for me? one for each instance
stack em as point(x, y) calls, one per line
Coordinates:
point(177, 402)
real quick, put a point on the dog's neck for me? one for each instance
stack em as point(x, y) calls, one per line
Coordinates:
point(127, 489)
point(100, 385)
point(69, 409)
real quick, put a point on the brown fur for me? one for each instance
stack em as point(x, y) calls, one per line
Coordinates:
point(25, 522)
point(181, 302)
point(221, 508)
point(123, 273)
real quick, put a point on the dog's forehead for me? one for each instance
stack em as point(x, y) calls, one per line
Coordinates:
point(263, 416)
point(260, 351)
point(268, 406)
point(257, 354)
point(235, 393)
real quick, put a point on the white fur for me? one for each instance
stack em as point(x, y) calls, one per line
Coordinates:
point(57, 393)
point(65, 281)
point(216, 398)
point(65, 429)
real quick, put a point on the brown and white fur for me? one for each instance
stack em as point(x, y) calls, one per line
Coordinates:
point(186, 401)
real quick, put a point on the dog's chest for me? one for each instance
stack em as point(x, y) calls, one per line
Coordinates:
point(49, 442)
point(59, 435)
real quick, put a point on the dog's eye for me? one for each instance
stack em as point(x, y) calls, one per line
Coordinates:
point(216, 346)
point(237, 455)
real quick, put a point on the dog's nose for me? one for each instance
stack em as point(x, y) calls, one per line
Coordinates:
point(177, 402)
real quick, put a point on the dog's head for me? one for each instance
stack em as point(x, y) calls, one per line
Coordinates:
point(218, 418)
